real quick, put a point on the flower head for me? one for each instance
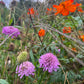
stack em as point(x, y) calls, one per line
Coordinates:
point(67, 30)
point(65, 7)
point(58, 50)
point(8, 30)
point(49, 11)
point(41, 32)
point(31, 11)
point(25, 68)
point(49, 62)
point(74, 49)
point(79, 7)
point(82, 37)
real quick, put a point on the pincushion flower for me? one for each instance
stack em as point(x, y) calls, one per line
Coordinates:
point(67, 30)
point(65, 7)
point(25, 68)
point(41, 32)
point(49, 62)
point(8, 30)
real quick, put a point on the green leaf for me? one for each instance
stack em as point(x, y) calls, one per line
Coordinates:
point(31, 56)
point(18, 27)
point(2, 81)
point(10, 21)
point(79, 56)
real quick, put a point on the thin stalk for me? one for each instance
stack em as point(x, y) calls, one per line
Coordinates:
point(71, 53)
point(35, 28)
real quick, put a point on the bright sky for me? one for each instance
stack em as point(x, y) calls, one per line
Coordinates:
point(7, 2)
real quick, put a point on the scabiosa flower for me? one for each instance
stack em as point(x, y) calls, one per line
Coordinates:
point(41, 32)
point(25, 68)
point(8, 30)
point(49, 62)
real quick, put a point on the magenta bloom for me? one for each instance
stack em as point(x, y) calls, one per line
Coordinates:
point(7, 30)
point(49, 62)
point(25, 68)
point(58, 50)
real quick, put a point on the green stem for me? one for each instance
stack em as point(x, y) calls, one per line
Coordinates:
point(26, 80)
point(35, 28)
point(78, 35)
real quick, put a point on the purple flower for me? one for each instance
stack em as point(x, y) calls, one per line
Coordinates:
point(58, 50)
point(7, 30)
point(25, 68)
point(49, 62)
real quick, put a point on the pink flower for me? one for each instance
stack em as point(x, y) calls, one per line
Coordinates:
point(58, 50)
point(25, 68)
point(49, 62)
point(8, 30)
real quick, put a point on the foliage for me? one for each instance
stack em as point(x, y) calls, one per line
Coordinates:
point(67, 47)
point(3, 81)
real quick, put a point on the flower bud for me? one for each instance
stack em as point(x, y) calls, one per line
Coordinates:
point(22, 57)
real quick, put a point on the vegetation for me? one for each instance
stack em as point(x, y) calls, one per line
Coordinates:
point(42, 43)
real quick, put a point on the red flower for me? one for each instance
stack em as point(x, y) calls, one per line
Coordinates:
point(67, 30)
point(79, 8)
point(48, 10)
point(31, 11)
point(72, 1)
point(41, 32)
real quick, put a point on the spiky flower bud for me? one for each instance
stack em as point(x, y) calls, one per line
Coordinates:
point(23, 56)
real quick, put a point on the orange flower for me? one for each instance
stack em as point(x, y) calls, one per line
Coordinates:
point(31, 11)
point(72, 0)
point(65, 7)
point(82, 37)
point(41, 32)
point(63, 38)
point(48, 10)
point(67, 30)
point(74, 49)
point(79, 8)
